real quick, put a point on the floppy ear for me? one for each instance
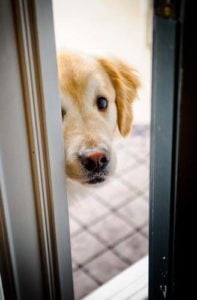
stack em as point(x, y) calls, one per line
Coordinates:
point(126, 83)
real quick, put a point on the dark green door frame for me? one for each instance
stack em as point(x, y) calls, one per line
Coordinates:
point(165, 86)
point(162, 137)
point(173, 151)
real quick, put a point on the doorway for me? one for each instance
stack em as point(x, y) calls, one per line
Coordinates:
point(35, 261)
point(112, 220)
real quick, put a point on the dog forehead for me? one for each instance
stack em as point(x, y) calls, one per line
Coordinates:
point(81, 76)
point(74, 73)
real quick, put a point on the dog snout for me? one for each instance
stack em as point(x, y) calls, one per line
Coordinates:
point(94, 160)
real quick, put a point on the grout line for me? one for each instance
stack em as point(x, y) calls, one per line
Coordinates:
point(84, 226)
point(112, 210)
point(89, 275)
point(107, 247)
point(127, 199)
point(123, 259)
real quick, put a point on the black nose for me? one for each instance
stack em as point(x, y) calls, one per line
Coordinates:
point(94, 161)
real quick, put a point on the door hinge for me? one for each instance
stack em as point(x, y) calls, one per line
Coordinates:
point(166, 9)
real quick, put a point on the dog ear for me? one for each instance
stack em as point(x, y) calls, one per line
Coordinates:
point(126, 83)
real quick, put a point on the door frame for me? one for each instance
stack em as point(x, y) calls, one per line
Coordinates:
point(35, 242)
point(173, 152)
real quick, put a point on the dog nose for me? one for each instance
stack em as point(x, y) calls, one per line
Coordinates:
point(94, 160)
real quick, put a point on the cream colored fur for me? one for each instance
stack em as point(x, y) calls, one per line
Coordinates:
point(82, 80)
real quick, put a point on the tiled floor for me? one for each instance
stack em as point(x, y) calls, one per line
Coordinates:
point(132, 283)
point(109, 229)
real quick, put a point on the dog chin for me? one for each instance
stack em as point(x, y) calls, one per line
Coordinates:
point(96, 180)
point(76, 190)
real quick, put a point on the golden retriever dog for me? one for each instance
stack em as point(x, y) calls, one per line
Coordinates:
point(96, 96)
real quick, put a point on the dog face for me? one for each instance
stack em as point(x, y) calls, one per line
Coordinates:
point(96, 95)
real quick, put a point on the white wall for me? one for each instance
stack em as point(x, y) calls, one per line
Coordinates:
point(119, 28)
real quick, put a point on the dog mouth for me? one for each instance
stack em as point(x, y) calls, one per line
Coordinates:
point(96, 178)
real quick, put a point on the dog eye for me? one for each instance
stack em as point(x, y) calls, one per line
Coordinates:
point(102, 103)
point(63, 113)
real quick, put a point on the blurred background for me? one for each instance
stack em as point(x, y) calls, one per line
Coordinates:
point(109, 229)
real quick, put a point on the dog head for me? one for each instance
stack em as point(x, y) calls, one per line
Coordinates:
point(96, 95)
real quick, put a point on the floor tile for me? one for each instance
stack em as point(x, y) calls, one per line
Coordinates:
point(137, 177)
point(109, 217)
point(111, 229)
point(83, 284)
point(135, 212)
point(74, 265)
point(117, 194)
point(105, 266)
point(133, 248)
point(124, 161)
point(88, 210)
point(74, 226)
point(109, 194)
point(146, 196)
point(145, 230)
point(84, 246)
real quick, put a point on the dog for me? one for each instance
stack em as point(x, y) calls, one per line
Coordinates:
point(96, 97)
